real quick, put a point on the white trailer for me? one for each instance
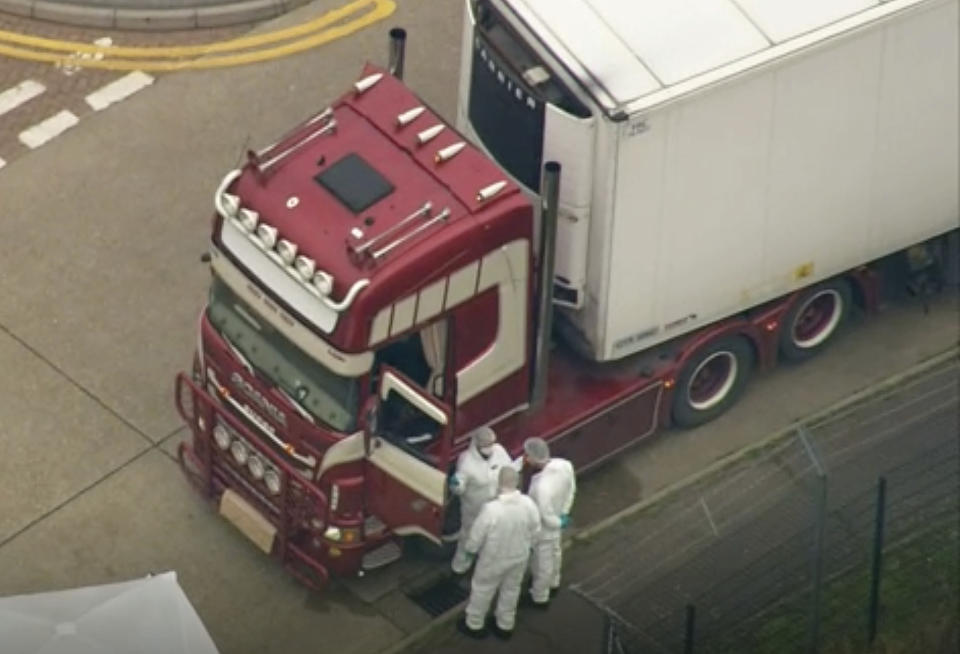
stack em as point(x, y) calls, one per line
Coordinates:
point(716, 154)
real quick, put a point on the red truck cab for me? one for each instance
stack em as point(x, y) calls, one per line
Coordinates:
point(370, 267)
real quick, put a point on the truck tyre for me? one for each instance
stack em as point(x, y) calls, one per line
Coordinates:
point(712, 381)
point(814, 319)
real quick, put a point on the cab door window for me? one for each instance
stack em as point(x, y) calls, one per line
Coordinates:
point(420, 356)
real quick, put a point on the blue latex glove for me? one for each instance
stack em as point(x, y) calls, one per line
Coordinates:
point(564, 521)
point(455, 484)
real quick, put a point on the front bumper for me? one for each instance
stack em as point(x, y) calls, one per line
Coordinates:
point(288, 525)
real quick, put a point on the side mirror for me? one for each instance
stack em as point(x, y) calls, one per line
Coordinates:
point(370, 417)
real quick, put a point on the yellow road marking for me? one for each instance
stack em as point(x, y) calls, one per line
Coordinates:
point(380, 10)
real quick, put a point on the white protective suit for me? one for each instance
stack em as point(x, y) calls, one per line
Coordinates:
point(502, 534)
point(477, 485)
point(553, 490)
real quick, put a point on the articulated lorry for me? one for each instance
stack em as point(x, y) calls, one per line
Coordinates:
point(640, 208)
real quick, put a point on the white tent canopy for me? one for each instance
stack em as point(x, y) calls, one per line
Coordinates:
point(143, 616)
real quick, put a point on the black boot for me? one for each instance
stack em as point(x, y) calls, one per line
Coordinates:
point(526, 600)
point(468, 632)
point(502, 634)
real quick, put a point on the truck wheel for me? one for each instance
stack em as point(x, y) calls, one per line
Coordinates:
point(712, 381)
point(814, 318)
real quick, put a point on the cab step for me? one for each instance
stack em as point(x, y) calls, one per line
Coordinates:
point(383, 555)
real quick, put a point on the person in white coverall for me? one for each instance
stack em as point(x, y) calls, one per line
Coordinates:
point(501, 538)
point(552, 489)
point(475, 481)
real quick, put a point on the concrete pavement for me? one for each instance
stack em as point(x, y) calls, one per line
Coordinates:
point(100, 287)
point(165, 15)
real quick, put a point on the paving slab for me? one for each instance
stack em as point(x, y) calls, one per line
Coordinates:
point(145, 518)
point(101, 269)
point(55, 440)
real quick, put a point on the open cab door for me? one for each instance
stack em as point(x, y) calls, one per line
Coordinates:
point(407, 441)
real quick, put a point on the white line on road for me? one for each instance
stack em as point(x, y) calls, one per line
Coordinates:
point(40, 133)
point(118, 90)
point(22, 92)
point(2, 163)
point(713, 525)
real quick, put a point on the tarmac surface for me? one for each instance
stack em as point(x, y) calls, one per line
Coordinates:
point(151, 15)
point(100, 287)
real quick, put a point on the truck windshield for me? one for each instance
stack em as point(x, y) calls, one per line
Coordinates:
point(508, 88)
point(328, 397)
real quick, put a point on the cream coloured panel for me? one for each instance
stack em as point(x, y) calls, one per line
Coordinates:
point(431, 301)
point(462, 285)
point(403, 314)
point(506, 269)
point(381, 325)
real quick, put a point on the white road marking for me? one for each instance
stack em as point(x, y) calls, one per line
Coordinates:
point(2, 163)
point(706, 510)
point(118, 90)
point(22, 92)
point(42, 132)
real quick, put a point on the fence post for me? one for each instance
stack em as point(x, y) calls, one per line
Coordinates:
point(611, 637)
point(877, 563)
point(688, 636)
point(607, 647)
point(818, 540)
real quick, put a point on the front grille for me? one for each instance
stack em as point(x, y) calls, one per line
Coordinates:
point(226, 469)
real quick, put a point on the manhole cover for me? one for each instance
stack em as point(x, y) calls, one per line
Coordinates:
point(440, 597)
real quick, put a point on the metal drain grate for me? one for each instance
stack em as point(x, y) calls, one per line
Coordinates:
point(440, 596)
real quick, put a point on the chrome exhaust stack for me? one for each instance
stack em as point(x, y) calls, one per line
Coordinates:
point(550, 198)
point(398, 42)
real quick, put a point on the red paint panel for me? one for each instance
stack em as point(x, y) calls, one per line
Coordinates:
point(464, 174)
point(475, 327)
point(580, 392)
point(307, 214)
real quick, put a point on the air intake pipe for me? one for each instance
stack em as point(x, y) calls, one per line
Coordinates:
point(398, 42)
point(550, 198)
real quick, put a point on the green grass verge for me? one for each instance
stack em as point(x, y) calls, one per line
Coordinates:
point(919, 606)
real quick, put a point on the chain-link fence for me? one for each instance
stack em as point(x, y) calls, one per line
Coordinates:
point(841, 536)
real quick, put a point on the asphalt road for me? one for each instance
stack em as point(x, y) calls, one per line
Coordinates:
point(101, 229)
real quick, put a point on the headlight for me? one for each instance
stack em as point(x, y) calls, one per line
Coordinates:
point(332, 533)
point(239, 452)
point(272, 479)
point(287, 251)
point(267, 236)
point(256, 467)
point(344, 535)
point(222, 437)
